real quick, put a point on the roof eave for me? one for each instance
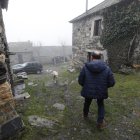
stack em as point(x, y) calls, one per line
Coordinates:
point(88, 13)
point(85, 14)
point(4, 4)
point(79, 18)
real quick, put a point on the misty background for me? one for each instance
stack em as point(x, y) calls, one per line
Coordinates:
point(43, 22)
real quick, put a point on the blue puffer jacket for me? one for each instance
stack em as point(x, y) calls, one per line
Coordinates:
point(95, 78)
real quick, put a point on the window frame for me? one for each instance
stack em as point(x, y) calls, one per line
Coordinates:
point(97, 27)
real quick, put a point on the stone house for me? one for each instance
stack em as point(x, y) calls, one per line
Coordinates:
point(45, 54)
point(22, 52)
point(3, 40)
point(8, 115)
point(26, 52)
point(87, 31)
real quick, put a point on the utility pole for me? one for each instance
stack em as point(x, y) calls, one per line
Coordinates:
point(86, 5)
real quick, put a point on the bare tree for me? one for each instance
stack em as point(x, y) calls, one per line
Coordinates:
point(63, 44)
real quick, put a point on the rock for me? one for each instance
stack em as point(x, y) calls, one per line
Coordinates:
point(67, 96)
point(65, 83)
point(19, 89)
point(22, 75)
point(59, 106)
point(83, 131)
point(40, 121)
point(35, 85)
point(50, 85)
point(126, 70)
point(48, 71)
point(71, 70)
point(22, 96)
point(79, 98)
point(136, 113)
point(72, 82)
point(30, 83)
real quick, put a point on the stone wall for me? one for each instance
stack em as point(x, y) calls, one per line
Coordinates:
point(136, 55)
point(10, 122)
point(6, 95)
point(2, 32)
point(83, 38)
point(4, 49)
point(21, 57)
point(44, 54)
point(123, 53)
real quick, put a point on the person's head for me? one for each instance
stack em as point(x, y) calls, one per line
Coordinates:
point(96, 55)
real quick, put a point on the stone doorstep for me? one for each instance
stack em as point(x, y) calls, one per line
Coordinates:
point(22, 96)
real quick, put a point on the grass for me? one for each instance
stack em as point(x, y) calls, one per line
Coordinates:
point(122, 110)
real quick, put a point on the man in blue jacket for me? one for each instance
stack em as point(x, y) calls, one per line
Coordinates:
point(95, 78)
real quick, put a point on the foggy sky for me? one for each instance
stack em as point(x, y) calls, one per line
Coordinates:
point(43, 22)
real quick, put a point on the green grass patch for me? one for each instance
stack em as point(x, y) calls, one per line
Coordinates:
point(124, 98)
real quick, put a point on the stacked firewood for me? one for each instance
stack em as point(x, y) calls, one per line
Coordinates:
point(6, 96)
point(10, 122)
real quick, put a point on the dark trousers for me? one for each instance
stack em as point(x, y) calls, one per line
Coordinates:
point(101, 110)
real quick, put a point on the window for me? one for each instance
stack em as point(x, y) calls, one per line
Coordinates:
point(97, 27)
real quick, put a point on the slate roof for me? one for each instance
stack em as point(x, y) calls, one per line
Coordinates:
point(101, 6)
point(4, 4)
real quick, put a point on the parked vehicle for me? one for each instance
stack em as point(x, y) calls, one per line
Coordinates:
point(28, 67)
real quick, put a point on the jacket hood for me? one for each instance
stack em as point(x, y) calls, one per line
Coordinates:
point(96, 66)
